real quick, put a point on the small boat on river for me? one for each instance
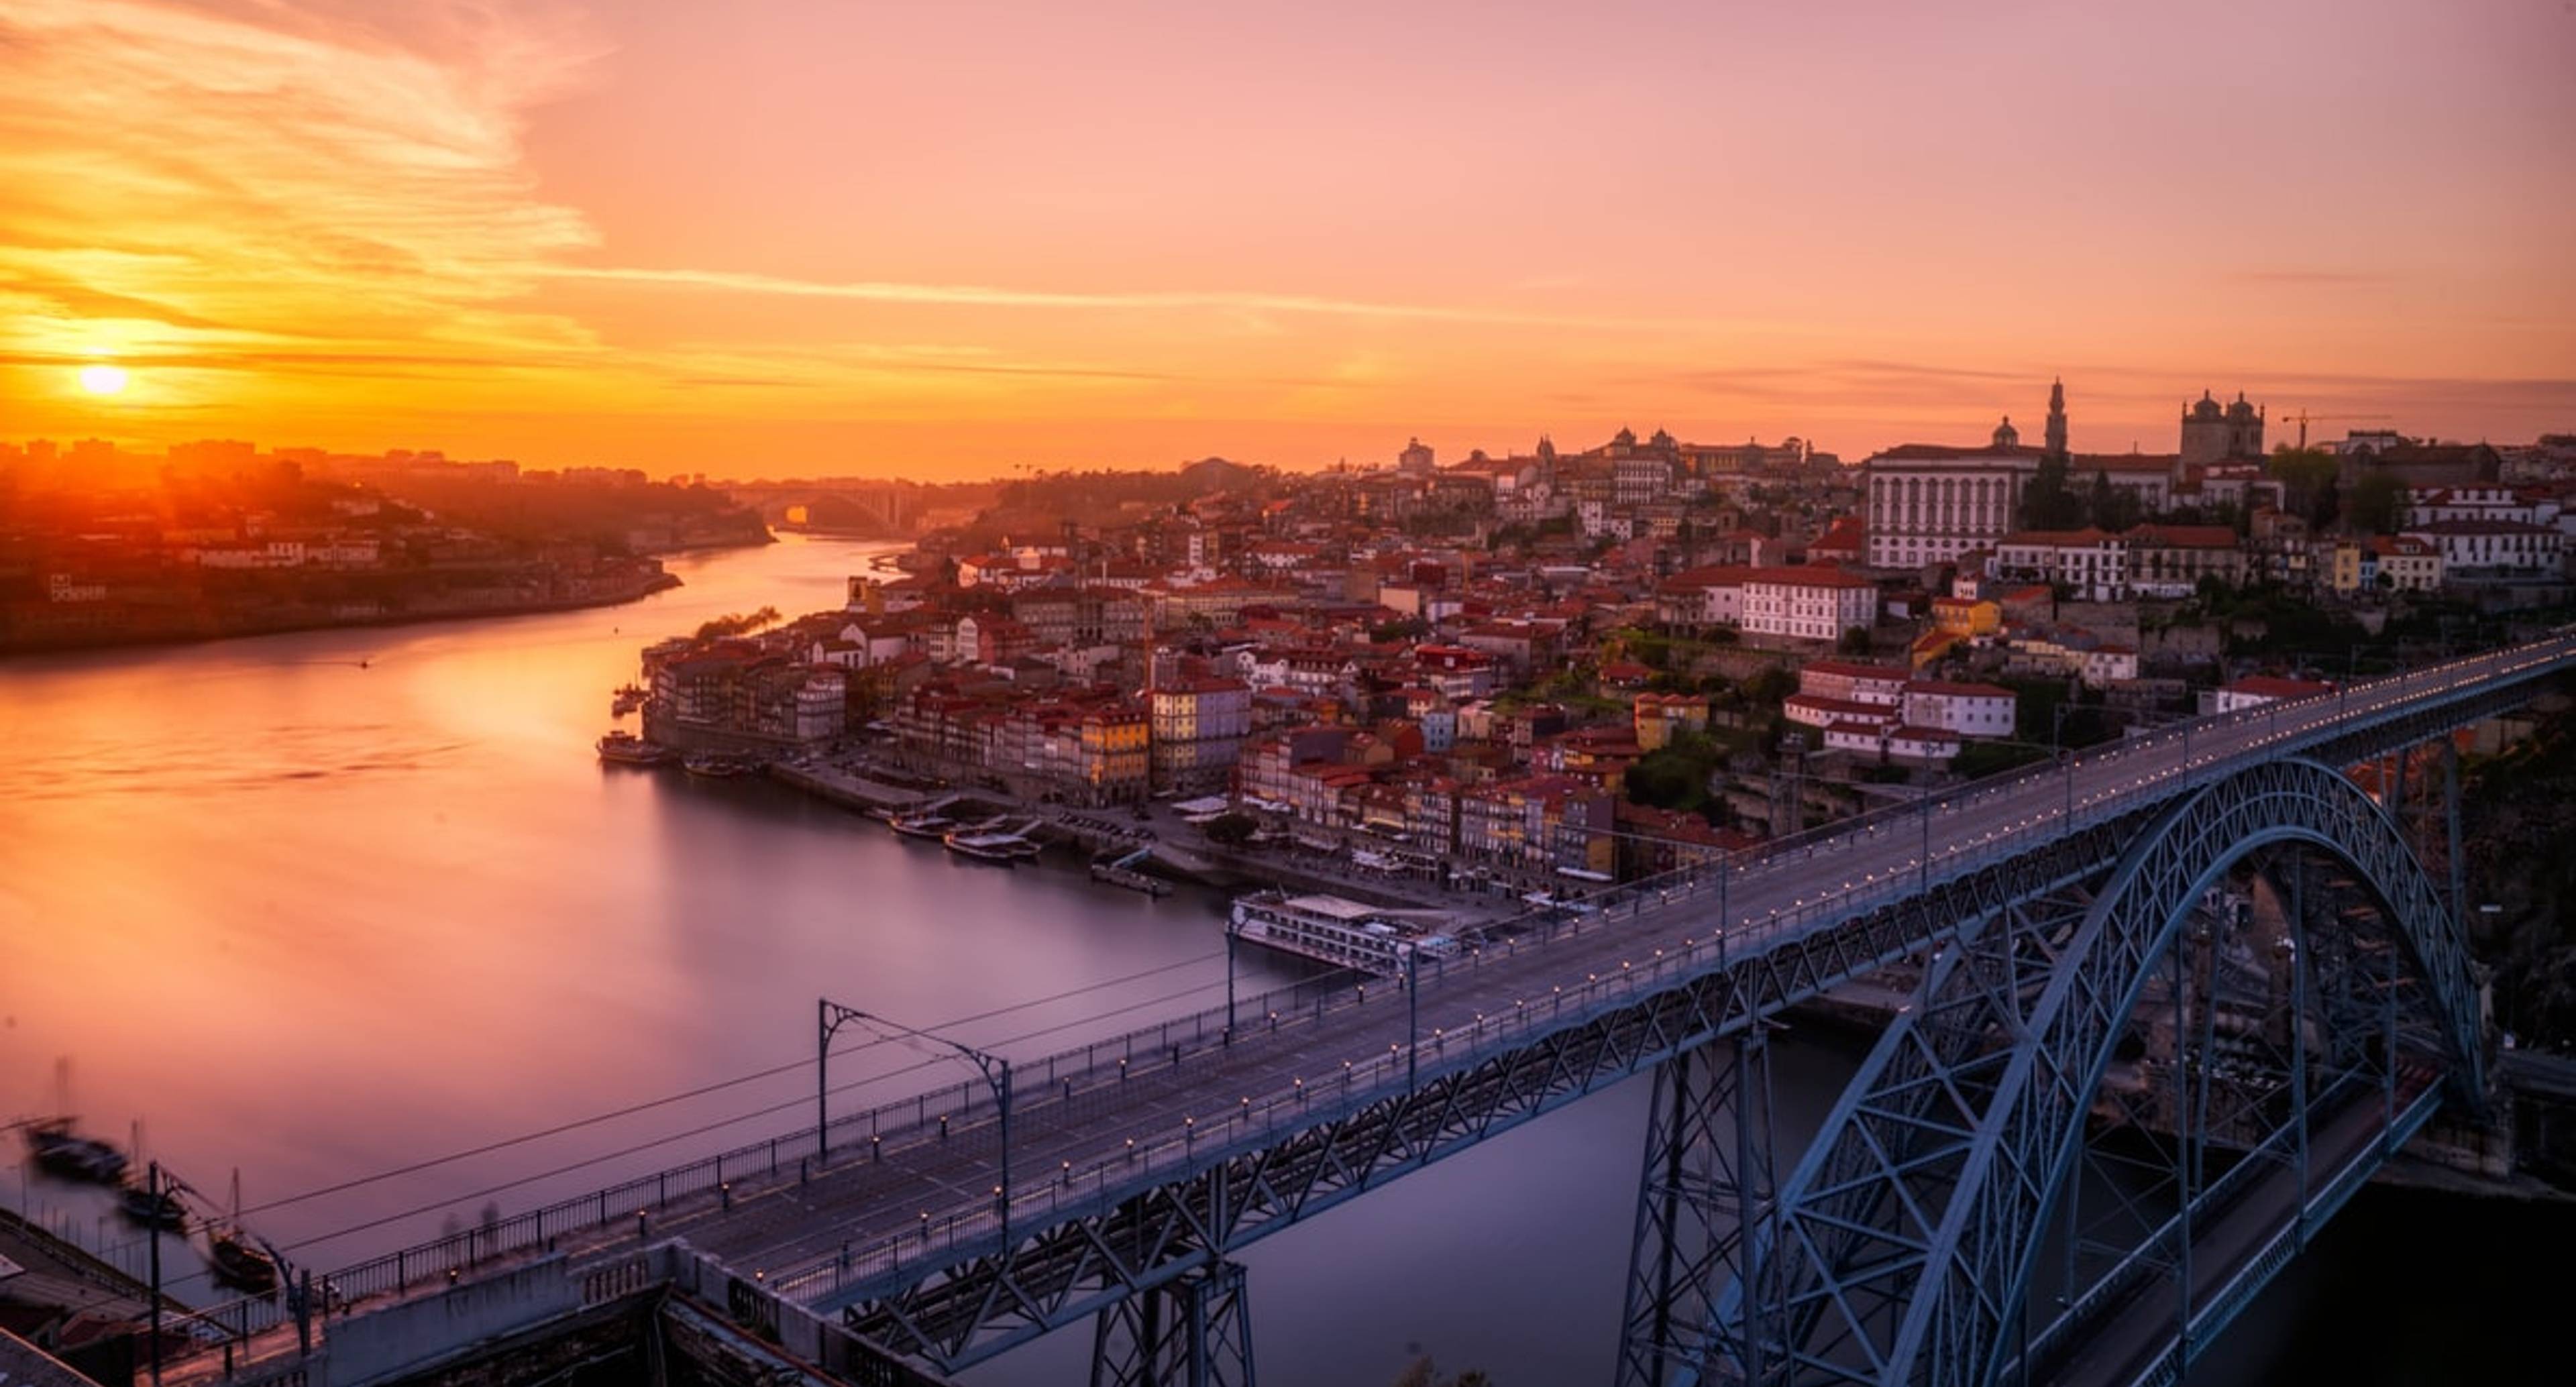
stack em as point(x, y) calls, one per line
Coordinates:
point(623, 748)
point(162, 1211)
point(1004, 848)
point(930, 825)
point(59, 1151)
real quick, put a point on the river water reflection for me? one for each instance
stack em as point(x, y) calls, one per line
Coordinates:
point(323, 905)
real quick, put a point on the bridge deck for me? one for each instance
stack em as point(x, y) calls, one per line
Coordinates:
point(1070, 1143)
point(1087, 1131)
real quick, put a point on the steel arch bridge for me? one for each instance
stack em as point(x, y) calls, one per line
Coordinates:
point(1996, 1197)
point(1904, 1246)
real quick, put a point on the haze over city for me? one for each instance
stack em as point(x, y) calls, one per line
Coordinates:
point(944, 241)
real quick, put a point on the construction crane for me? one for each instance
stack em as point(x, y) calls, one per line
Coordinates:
point(2303, 419)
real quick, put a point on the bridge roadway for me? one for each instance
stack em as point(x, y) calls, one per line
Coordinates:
point(2233, 1256)
point(918, 1196)
point(909, 1189)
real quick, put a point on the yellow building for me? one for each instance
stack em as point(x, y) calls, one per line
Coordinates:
point(1659, 716)
point(1966, 617)
point(1116, 751)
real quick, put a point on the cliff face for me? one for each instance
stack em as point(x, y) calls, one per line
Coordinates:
point(2518, 826)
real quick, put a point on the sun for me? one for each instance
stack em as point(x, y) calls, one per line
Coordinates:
point(102, 380)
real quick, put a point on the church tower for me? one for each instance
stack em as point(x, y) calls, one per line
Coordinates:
point(2056, 435)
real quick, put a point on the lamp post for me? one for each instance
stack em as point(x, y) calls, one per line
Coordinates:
point(995, 1069)
point(1231, 921)
point(1412, 1012)
point(152, 1191)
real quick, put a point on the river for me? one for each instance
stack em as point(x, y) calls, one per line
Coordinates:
point(318, 906)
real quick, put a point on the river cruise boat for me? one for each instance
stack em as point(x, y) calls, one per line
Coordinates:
point(713, 764)
point(1338, 931)
point(622, 748)
point(1004, 848)
point(626, 700)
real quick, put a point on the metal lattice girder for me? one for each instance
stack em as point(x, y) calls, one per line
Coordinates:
point(1192, 1331)
point(1707, 1184)
point(1907, 1232)
point(976, 1294)
point(988, 1301)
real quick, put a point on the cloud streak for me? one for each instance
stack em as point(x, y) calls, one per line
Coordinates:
point(991, 296)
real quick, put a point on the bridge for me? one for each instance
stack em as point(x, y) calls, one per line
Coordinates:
point(2178, 998)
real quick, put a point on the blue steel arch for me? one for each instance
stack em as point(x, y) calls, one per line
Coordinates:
point(1904, 1242)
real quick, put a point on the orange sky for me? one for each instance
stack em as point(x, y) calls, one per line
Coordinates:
point(939, 240)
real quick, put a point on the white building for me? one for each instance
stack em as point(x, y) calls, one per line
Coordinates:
point(1929, 504)
point(1810, 603)
point(2094, 563)
point(2255, 690)
point(2495, 548)
point(1970, 710)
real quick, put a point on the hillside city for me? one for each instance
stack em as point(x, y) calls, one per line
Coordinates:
point(1569, 666)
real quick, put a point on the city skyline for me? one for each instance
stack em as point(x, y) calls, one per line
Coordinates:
point(633, 236)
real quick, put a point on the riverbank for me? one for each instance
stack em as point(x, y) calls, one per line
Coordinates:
point(179, 624)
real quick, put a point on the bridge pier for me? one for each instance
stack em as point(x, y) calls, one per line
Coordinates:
point(1707, 1180)
point(1193, 1331)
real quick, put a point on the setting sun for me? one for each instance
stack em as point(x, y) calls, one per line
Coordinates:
point(102, 380)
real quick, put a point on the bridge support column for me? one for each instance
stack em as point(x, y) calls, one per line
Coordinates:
point(1195, 1331)
point(1707, 1181)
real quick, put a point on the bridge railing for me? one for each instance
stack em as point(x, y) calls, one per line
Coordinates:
point(931, 1115)
point(1254, 1122)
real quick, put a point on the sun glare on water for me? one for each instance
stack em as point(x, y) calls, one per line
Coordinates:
point(102, 380)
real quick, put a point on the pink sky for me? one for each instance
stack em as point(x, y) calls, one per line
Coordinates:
point(946, 239)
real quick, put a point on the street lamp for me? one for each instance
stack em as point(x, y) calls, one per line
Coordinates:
point(830, 1016)
point(1412, 1011)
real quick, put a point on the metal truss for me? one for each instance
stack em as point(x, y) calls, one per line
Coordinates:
point(1907, 1235)
point(1706, 1189)
point(997, 1291)
point(1042, 1278)
point(1192, 1331)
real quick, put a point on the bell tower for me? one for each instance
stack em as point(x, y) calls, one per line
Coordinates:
point(2056, 436)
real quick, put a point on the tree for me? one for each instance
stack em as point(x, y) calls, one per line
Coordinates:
point(2303, 473)
point(2047, 501)
point(2109, 507)
point(2377, 499)
point(737, 624)
point(1768, 688)
point(1855, 641)
point(1675, 776)
point(1231, 829)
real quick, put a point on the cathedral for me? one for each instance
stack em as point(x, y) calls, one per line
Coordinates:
point(2214, 434)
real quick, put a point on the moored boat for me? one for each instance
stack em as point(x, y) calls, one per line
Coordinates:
point(1004, 848)
point(163, 1210)
point(240, 1264)
point(712, 764)
point(931, 825)
point(623, 748)
point(58, 1151)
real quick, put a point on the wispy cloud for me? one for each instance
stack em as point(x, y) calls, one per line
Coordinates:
point(268, 174)
point(2313, 278)
point(992, 296)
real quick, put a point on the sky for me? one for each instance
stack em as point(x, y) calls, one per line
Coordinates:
point(956, 239)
